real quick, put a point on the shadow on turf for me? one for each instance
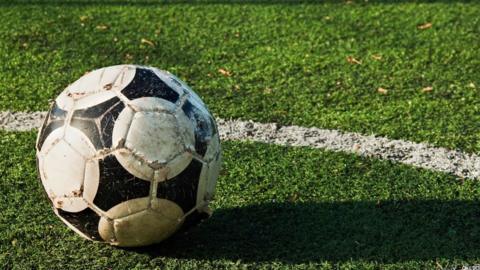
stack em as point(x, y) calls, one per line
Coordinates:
point(204, 2)
point(388, 231)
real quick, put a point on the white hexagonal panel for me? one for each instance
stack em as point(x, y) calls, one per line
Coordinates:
point(140, 222)
point(64, 102)
point(154, 137)
point(63, 165)
point(91, 180)
point(104, 79)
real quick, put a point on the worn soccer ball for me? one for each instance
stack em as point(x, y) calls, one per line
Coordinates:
point(129, 155)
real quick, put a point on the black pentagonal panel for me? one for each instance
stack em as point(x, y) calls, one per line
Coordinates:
point(203, 126)
point(182, 189)
point(85, 221)
point(189, 109)
point(49, 128)
point(97, 110)
point(118, 185)
point(90, 129)
point(54, 119)
point(147, 84)
point(200, 146)
point(57, 114)
point(107, 123)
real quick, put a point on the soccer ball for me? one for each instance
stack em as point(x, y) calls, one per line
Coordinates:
point(129, 155)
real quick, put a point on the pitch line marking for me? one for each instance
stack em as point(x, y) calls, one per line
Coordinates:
point(421, 155)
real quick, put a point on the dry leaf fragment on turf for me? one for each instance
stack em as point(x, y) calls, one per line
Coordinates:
point(427, 89)
point(148, 42)
point(424, 26)
point(352, 60)
point(224, 72)
point(128, 56)
point(376, 57)
point(382, 90)
point(102, 27)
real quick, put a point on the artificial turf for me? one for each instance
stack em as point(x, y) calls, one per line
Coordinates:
point(276, 208)
point(315, 64)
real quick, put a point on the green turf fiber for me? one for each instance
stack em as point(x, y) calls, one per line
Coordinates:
point(276, 207)
point(284, 63)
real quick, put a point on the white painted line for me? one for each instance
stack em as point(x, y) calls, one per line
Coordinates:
point(472, 267)
point(21, 121)
point(416, 154)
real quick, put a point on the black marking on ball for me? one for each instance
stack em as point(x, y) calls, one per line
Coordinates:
point(90, 129)
point(200, 146)
point(85, 221)
point(117, 185)
point(57, 114)
point(54, 119)
point(147, 84)
point(97, 110)
point(182, 189)
point(107, 123)
point(203, 126)
point(49, 128)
